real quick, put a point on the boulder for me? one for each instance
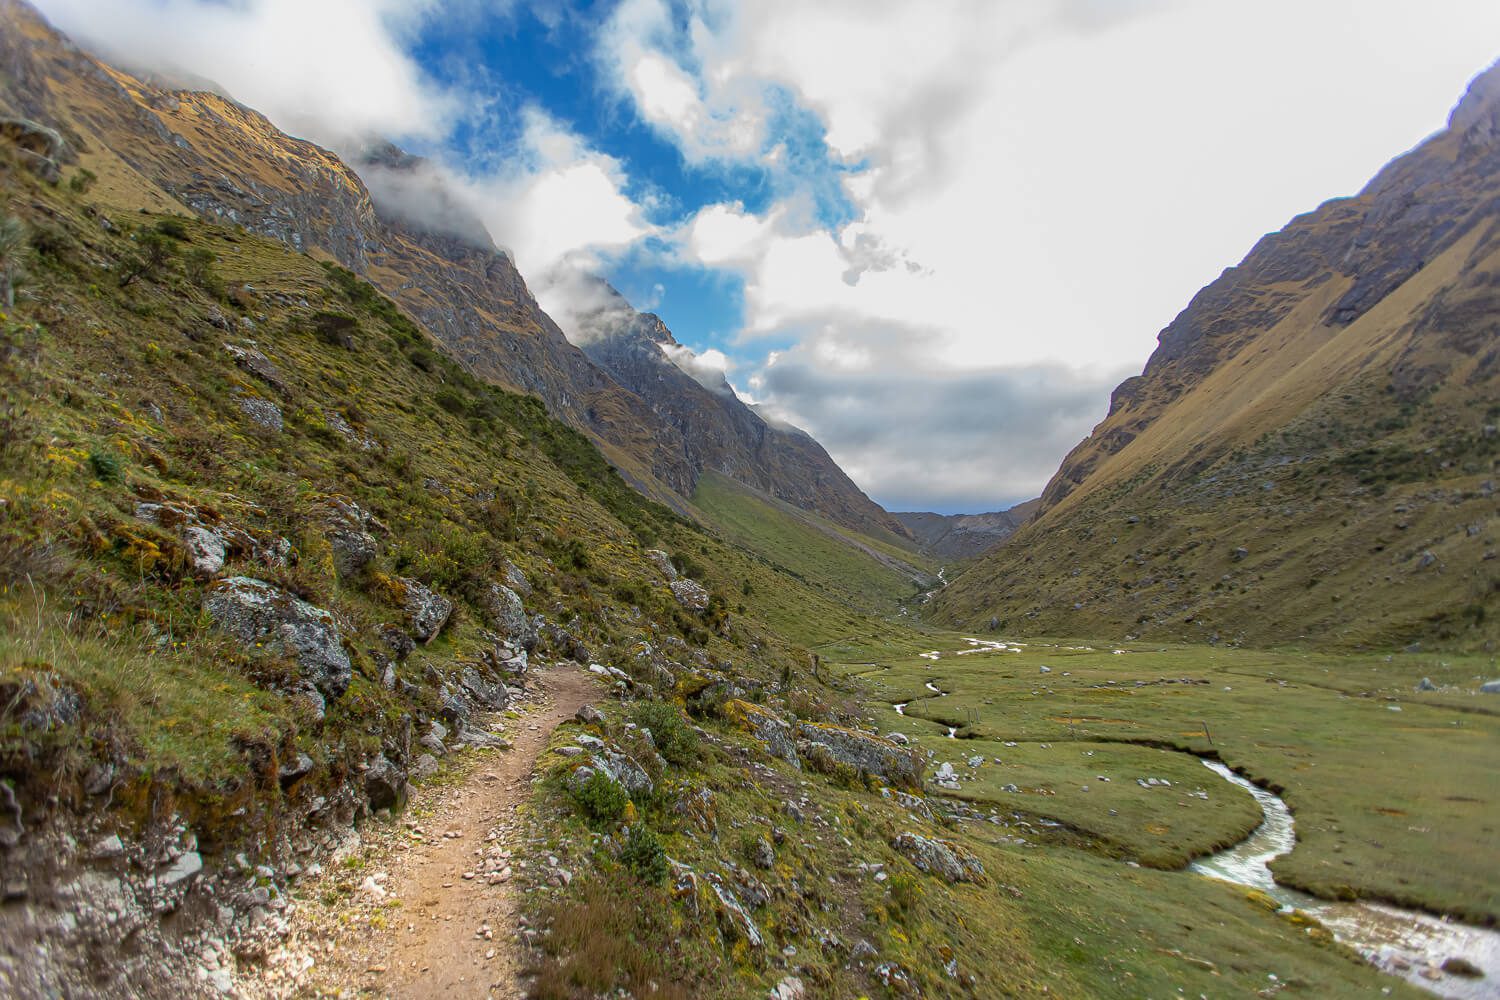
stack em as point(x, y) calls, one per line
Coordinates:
point(1425, 684)
point(690, 594)
point(589, 716)
point(943, 858)
point(347, 526)
point(617, 767)
point(507, 615)
point(879, 756)
point(490, 694)
point(259, 365)
point(40, 148)
point(426, 611)
point(516, 580)
point(765, 726)
point(261, 412)
point(663, 562)
point(255, 611)
point(206, 550)
point(385, 784)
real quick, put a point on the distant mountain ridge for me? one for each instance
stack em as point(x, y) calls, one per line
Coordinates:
point(964, 536)
point(720, 432)
point(1310, 452)
point(209, 155)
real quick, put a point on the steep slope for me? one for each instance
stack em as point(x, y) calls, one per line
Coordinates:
point(179, 148)
point(964, 536)
point(719, 432)
point(1310, 451)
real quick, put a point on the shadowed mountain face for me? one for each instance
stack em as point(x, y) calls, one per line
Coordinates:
point(964, 536)
point(197, 151)
point(1309, 453)
point(720, 433)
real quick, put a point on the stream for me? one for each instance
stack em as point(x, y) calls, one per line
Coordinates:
point(1404, 943)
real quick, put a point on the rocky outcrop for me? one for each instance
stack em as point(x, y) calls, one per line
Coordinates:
point(258, 612)
point(507, 615)
point(942, 858)
point(620, 768)
point(426, 610)
point(863, 751)
point(350, 531)
point(690, 594)
point(766, 726)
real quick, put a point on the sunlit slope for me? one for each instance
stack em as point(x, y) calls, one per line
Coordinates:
point(1310, 453)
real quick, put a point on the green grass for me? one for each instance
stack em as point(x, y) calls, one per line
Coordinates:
point(1394, 805)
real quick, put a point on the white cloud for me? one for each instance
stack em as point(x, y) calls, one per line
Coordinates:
point(708, 369)
point(332, 71)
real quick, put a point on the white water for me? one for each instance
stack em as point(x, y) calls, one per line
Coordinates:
point(1402, 942)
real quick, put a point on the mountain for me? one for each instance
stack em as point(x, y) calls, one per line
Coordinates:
point(964, 536)
point(720, 433)
point(1310, 451)
point(388, 218)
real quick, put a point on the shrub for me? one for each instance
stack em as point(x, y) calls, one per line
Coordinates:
point(674, 739)
point(107, 466)
point(644, 857)
point(335, 329)
point(148, 261)
point(198, 265)
point(905, 892)
point(173, 228)
point(82, 180)
point(601, 799)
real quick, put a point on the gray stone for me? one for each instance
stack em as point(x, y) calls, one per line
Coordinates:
point(516, 580)
point(259, 365)
point(299, 767)
point(878, 756)
point(426, 611)
point(434, 737)
point(506, 614)
point(255, 611)
point(492, 695)
point(1425, 684)
point(185, 867)
point(206, 550)
point(943, 858)
point(690, 594)
point(663, 562)
point(589, 716)
point(385, 784)
point(262, 412)
point(790, 988)
point(425, 766)
point(347, 526)
point(1490, 687)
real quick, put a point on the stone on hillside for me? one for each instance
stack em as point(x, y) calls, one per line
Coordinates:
point(255, 611)
point(335, 420)
point(765, 726)
point(1490, 687)
point(618, 768)
point(762, 853)
point(516, 580)
point(434, 737)
point(39, 148)
point(298, 767)
point(946, 777)
point(385, 784)
point(206, 550)
point(426, 611)
point(663, 562)
point(259, 365)
point(346, 526)
point(262, 412)
point(506, 614)
point(873, 754)
point(490, 694)
point(790, 988)
point(1240, 553)
point(397, 640)
point(589, 716)
point(1425, 684)
point(690, 594)
point(943, 858)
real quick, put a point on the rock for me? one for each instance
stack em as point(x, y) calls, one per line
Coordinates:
point(516, 580)
point(946, 777)
point(1425, 684)
point(434, 737)
point(425, 766)
point(900, 739)
point(690, 594)
point(1240, 553)
point(399, 642)
point(589, 716)
point(589, 742)
point(347, 526)
point(426, 611)
point(1490, 687)
point(1044, 669)
point(568, 751)
point(185, 867)
point(255, 611)
point(262, 412)
point(206, 550)
point(385, 784)
point(40, 148)
point(506, 614)
point(898, 765)
point(790, 988)
point(43, 702)
point(259, 365)
point(299, 767)
point(490, 694)
point(617, 767)
point(1457, 965)
point(765, 726)
point(108, 847)
point(939, 857)
point(663, 562)
point(739, 917)
point(762, 854)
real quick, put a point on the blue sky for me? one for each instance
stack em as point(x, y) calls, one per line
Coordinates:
point(933, 235)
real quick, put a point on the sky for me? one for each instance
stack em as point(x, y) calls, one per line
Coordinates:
point(934, 235)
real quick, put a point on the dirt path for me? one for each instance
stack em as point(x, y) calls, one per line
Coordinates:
point(436, 914)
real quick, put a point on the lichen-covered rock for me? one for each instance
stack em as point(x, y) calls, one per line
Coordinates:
point(690, 594)
point(255, 611)
point(765, 726)
point(617, 767)
point(385, 784)
point(874, 754)
point(589, 715)
point(347, 526)
point(506, 614)
point(262, 412)
point(516, 580)
point(943, 858)
point(490, 694)
point(259, 365)
point(663, 562)
point(206, 550)
point(426, 611)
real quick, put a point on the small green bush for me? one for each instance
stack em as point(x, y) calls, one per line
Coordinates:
point(674, 739)
point(601, 799)
point(107, 466)
point(644, 857)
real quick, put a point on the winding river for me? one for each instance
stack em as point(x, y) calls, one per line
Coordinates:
point(1404, 943)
